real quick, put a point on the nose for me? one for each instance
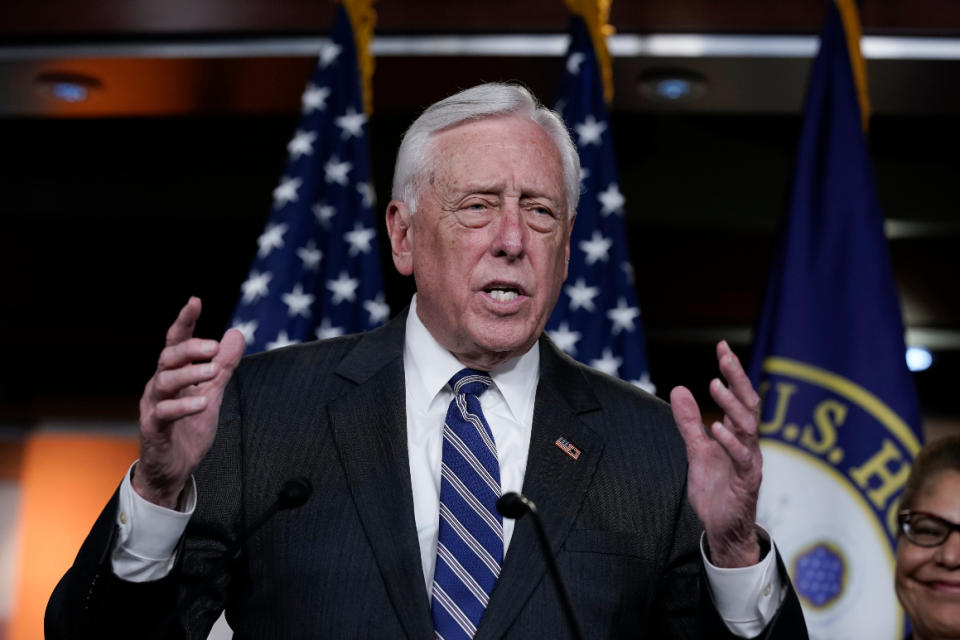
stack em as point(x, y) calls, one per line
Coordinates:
point(511, 231)
point(948, 554)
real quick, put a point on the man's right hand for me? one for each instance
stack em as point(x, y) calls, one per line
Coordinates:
point(180, 406)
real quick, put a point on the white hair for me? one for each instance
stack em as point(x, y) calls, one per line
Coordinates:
point(415, 157)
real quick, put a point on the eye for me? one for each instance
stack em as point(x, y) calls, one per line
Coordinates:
point(541, 218)
point(476, 204)
point(475, 212)
point(926, 529)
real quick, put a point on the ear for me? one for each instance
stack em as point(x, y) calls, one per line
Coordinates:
point(400, 230)
point(566, 249)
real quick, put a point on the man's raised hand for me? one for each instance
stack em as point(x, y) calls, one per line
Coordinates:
point(180, 406)
point(723, 480)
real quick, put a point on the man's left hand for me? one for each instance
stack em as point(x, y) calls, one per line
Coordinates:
point(725, 464)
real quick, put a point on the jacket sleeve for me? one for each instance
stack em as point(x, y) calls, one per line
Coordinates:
point(681, 615)
point(90, 601)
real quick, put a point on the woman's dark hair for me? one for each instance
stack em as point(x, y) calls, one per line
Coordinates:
point(939, 455)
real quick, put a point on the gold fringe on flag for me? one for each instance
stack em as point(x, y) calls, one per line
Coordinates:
point(850, 16)
point(363, 19)
point(596, 14)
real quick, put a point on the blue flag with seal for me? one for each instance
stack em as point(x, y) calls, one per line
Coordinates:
point(317, 273)
point(840, 424)
point(597, 318)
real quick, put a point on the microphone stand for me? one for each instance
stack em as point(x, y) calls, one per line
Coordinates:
point(292, 495)
point(514, 506)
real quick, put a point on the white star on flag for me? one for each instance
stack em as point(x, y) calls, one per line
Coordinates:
point(367, 193)
point(343, 288)
point(609, 363)
point(322, 222)
point(623, 316)
point(574, 60)
point(314, 98)
point(255, 286)
point(611, 200)
point(645, 383)
point(286, 192)
point(298, 303)
point(327, 330)
point(336, 171)
point(248, 329)
point(581, 296)
point(359, 239)
point(351, 123)
point(324, 213)
point(329, 51)
point(580, 324)
point(301, 144)
point(281, 341)
point(310, 255)
point(590, 130)
point(270, 239)
point(565, 339)
point(596, 248)
point(378, 309)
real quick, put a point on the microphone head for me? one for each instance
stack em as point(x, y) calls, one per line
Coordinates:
point(513, 505)
point(294, 493)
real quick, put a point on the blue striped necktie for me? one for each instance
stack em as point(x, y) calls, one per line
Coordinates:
point(470, 541)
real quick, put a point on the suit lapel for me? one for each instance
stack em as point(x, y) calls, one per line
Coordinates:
point(369, 427)
point(554, 481)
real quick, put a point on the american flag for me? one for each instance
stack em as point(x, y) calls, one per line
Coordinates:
point(568, 447)
point(597, 319)
point(316, 273)
point(829, 346)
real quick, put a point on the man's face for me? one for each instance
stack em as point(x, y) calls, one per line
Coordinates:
point(489, 243)
point(928, 578)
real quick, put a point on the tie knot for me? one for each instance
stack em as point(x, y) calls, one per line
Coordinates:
point(470, 381)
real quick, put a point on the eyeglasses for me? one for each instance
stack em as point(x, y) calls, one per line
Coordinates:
point(925, 529)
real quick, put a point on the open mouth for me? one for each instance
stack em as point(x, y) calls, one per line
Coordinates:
point(503, 293)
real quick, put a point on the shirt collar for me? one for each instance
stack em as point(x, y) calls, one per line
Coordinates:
point(431, 366)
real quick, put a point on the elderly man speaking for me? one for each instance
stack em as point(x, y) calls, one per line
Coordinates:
point(410, 434)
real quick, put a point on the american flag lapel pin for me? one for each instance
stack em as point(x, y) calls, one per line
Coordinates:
point(568, 447)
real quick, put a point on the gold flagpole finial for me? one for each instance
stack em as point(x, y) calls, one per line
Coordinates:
point(363, 19)
point(850, 17)
point(596, 15)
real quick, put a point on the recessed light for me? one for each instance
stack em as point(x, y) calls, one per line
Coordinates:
point(671, 85)
point(919, 358)
point(67, 87)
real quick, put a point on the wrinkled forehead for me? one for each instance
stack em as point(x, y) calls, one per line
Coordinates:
point(486, 147)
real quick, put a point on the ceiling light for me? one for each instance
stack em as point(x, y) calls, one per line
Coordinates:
point(919, 358)
point(671, 85)
point(67, 87)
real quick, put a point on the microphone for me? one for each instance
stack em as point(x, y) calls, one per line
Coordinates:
point(515, 506)
point(293, 494)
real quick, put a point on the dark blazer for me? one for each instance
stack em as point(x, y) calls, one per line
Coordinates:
point(347, 564)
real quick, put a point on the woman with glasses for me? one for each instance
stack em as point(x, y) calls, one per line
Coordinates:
point(928, 552)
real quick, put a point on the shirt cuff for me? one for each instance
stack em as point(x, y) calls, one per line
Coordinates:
point(145, 548)
point(747, 598)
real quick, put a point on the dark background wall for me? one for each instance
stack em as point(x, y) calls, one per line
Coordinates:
point(113, 211)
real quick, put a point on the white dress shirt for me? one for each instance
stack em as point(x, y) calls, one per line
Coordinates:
point(746, 598)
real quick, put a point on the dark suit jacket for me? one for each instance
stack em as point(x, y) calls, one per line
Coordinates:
point(347, 564)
